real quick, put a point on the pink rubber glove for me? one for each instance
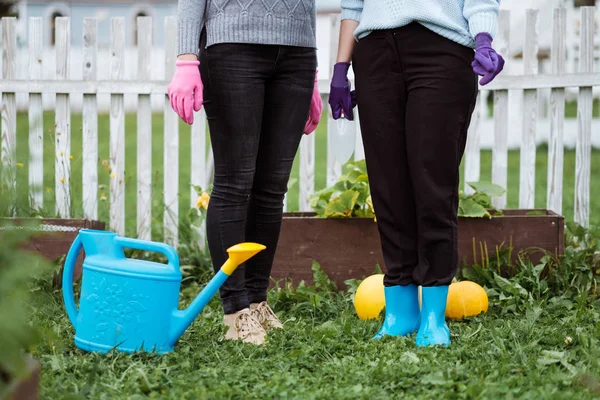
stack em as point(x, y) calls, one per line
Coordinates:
point(316, 108)
point(185, 90)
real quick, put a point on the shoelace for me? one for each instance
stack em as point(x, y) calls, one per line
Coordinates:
point(244, 324)
point(265, 313)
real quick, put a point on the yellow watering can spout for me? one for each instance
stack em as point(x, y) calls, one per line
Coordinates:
point(239, 253)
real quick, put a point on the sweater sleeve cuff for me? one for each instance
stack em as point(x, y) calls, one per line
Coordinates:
point(483, 22)
point(188, 38)
point(351, 14)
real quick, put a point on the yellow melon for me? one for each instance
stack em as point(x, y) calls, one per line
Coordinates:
point(466, 299)
point(369, 299)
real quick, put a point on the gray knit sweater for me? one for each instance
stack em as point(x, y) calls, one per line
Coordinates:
point(277, 22)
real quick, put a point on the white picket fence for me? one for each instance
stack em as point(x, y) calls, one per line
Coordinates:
point(344, 140)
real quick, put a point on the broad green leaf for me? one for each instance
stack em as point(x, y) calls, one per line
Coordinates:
point(354, 175)
point(576, 229)
point(355, 166)
point(193, 215)
point(483, 200)
point(469, 208)
point(489, 188)
point(342, 185)
point(321, 195)
point(198, 189)
point(343, 205)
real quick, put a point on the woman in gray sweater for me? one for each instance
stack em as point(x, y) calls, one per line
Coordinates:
point(253, 67)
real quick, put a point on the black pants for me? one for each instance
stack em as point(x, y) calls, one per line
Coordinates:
point(256, 99)
point(416, 92)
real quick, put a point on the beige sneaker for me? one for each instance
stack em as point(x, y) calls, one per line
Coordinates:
point(265, 315)
point(243, 326)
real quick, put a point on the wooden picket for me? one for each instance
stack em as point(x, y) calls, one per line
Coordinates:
point(35, 115)
point(198, 151)
point(500, 149)
point(144, 86)
point(117, 129)
point(144, 132)
point(334, 167)
point(307, 171)
point(62, 133)
point(171, 140)
point(9, 108)
point(557, 115)
point(472, 157)
point(530, 107)
point(90, 121)
point(584, 117)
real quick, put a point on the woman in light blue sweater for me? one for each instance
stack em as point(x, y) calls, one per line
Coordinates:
point(416, 86)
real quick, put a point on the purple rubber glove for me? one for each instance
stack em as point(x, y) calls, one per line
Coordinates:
point(487, 62)
point(341, 99)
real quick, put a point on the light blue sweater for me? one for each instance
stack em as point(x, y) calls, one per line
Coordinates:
point(457, 20)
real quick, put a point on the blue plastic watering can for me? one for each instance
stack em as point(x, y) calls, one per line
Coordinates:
point(132, 305)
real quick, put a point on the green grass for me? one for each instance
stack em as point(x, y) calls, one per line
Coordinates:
point(185, 162)
point(549, 350)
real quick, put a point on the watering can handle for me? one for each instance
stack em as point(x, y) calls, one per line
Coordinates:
point(146, 245)
point(67, 280)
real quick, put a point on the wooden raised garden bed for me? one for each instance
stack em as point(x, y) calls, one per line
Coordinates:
point(348, 248)
point(26, 388)
point(53, 237)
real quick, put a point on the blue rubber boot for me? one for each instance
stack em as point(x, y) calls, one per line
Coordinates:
point(401, 311)
point(433, 329)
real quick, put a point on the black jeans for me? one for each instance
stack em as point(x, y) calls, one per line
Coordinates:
point(256, 99)
point(416, 92)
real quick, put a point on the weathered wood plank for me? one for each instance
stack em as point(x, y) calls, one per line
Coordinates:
point(199, 165)
point(472, 156)
point(528, 145)
point(62, 138)
point(198, 150)
point(117, 128)
point(144, 131)
point(334, 167)
point(90, 121)
point(171, 139)
point(359, 149)
point(9, 110)
point(557, 115)
point(500, 146)
point(547, 81)
point(35, 117)
point(307, 171)
point(584, 118)
point(501, 82)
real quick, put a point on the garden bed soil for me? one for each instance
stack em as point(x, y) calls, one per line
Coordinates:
point(349, 248)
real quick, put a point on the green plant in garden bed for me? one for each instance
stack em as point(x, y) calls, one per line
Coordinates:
point(568, 279)
point(351, 196)
point(479, 203)
point(17, 335)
